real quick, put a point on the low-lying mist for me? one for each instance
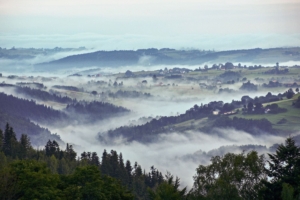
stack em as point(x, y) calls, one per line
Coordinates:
point(179, 153)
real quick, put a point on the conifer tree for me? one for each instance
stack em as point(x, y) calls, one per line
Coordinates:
point(70, 153)
point(105, 163)
point(52, 148)
point(284, 168)
point(10, 142)
point(25, 146)
point(1, 140)
point(123, 173)
point(95, 159)
point(114, 163)
point(128, 169)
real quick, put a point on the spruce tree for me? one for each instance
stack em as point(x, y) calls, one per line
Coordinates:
point(25, 146)
point(105, 168)
point(95, 159)
point(10, 142)
point(128, 169)
point(284, 168)
point(70, 153)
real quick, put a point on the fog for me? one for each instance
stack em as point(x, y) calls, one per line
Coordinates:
point(26, 66)
point(93, 25)
point(212, 41)
point(177, 152)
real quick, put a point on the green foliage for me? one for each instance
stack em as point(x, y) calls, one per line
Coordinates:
point(90, 158)
point(232, 176)
point(249, 125)
point(1, 139)
point(29, 109)
point(155, 126)
point(87, 183)
point(167, 190)
point(39, 136)
point(25, 146)
point(95, 110)
point(3, 160)
point(28, 179)
point(287, 192)
point(53, 173)
point(284, 168)
point(52, 164)
point(52, 148)
point(248, 86)
point(10, 142)
point(290, 93)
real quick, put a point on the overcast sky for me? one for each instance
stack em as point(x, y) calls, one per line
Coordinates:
point(132, 24)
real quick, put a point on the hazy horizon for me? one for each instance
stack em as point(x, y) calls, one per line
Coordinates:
point(114, 25)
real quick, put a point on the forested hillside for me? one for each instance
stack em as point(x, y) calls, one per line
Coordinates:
point(93, 111)
point(43, 95)
point(54, 173)
point(30, 109)
point(38, 135)
point(166, 56)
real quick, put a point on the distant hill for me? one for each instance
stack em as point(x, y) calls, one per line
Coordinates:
point(171, 56)
point(38, 135)
point(202, 119)
point(30, 110)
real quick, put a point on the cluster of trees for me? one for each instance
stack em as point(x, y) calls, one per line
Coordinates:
point(248, 86)
point(156, 126)
point(254, 67)
point(31, 84)
point(250, 176)
point(290, 93)
point(254, 106)
point(29, 109)
point(98, 83)
point(145, 132)
point(43, 95)
point(297, 103)
point(52, 173)
point(274, 108)
point(65, 87)
point(262, 99)
point(116, 84)
point(272, 84)
point(229, 76)
point(128, 94)
point(253, 126)
point(276, 70)
point(39, 135)
point(95, 110)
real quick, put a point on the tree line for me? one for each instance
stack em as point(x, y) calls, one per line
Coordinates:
point(94, 110)
point(30, 109)
point(53, 173)
point(43, 95)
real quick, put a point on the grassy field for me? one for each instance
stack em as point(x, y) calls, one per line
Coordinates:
point(292, 116)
